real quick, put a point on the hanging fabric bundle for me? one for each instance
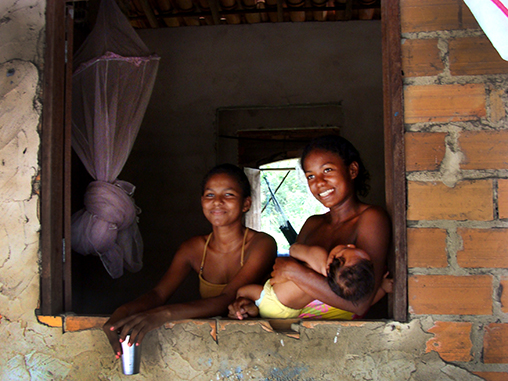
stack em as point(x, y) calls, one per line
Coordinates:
point(112, 84)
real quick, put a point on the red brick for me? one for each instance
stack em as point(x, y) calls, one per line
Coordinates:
point(424, 150)
point(484, 149)
point(504, 294)
point(483, 248)
point(492, 376)
point(421, 58)
point(450, 295)
point(502, 198)
point(451, 340)
point(444, 103)
point(497, 109)
point(468, 200)
point(495, 350)
point(431, 15)
point(475, 56)
point(426, 248)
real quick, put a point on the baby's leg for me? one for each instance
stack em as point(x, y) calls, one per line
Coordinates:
point(291, 295)
point(250, 291)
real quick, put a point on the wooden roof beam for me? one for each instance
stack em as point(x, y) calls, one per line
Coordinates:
point(150, 15)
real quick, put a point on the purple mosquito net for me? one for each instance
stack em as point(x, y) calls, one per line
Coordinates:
point(113, 78)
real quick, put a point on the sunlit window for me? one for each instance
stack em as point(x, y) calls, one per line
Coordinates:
point(286, 202)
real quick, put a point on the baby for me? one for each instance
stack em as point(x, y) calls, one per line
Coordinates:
point(349, 271)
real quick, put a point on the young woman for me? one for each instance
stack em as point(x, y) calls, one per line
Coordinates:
point(229, 257)
point(336, 177)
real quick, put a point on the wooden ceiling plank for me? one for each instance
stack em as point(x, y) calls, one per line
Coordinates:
point(280, 11)
point(150, 15)
point(214, 8)
point(348, 15)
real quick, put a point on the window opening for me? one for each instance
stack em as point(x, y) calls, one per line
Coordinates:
point(54, 185)
point(286, 202)
point(284, 224)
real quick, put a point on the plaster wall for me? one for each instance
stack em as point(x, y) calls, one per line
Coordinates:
point(199, 350)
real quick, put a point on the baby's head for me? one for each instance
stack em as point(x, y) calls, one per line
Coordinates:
point(351, 273)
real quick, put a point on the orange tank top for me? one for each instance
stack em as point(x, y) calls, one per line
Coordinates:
point(207, 289)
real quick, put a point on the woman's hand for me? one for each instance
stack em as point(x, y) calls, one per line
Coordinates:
point(242, 308)
point(139, 325)
point(112, 336)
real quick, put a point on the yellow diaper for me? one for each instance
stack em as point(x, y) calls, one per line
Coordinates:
point(271, 308)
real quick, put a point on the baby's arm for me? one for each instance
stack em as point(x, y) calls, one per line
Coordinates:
point(385, 288)
point(314, 256)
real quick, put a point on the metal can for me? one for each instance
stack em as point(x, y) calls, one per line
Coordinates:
point(131, 357)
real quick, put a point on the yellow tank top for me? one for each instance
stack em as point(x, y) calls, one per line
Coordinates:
point(207, 289)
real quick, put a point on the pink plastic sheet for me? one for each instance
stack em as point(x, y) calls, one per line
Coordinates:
point(112, 84)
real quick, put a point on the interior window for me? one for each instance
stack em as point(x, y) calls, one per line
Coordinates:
point(286, 202)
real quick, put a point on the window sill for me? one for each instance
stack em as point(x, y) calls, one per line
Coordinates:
point(288, 327)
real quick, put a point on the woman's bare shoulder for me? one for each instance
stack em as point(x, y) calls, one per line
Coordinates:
point(374, 226)
point(261, 238)
point(311, 225)
point(315, 219)
point(193, 244)
point(375, 213)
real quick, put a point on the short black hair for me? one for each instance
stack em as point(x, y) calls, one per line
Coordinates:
point(347, 152)
point(352, 283)
point(233, 171)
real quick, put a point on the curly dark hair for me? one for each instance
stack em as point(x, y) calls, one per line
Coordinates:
point(347, 152)
point(353, 283)
point(232, 170)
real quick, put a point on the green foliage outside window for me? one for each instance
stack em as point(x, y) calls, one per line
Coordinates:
point(293, 196)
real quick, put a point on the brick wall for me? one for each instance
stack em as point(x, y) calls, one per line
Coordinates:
point(455, 101)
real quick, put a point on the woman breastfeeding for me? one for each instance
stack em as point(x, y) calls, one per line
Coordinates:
point(337, 177)
point(231, 256)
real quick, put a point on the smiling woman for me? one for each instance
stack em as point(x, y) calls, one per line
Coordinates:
point(336, 177)
point(226, 259)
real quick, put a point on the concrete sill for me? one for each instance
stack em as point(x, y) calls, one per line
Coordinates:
point(287, 327)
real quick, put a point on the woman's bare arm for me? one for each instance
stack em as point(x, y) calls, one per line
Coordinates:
point(244, 305)
point(314, 256)
point(174, 276)
point(262, 253)
point(373, 237)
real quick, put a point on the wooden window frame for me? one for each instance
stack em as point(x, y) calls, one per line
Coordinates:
point(55, 159)
point(395, 169)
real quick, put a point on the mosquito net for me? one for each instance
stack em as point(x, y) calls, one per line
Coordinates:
point(113, 78)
